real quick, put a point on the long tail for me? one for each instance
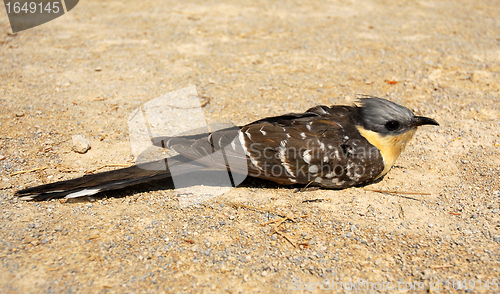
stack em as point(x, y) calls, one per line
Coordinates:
point(105, 181)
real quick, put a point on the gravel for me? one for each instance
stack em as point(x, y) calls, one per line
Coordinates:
point(250, 60)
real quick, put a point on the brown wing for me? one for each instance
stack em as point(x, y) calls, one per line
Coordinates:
point(320, 146)
point(207, 148)
point(324, 149)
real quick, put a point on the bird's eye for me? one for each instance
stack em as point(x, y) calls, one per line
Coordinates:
point(392, 125)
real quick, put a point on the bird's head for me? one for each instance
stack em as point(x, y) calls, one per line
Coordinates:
point(388, 126)
point(388, 118)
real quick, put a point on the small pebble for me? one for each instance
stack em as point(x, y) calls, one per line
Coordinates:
point(80, 144)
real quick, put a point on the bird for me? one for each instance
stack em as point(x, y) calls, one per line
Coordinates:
point(332, 147)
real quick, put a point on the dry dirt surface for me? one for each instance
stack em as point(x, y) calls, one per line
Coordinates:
point(86, 72)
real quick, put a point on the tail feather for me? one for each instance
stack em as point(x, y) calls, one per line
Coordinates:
point(105, 181)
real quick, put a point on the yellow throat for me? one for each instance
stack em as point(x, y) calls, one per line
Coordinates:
point(390, 146)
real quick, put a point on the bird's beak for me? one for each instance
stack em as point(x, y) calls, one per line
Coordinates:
point(422, 120)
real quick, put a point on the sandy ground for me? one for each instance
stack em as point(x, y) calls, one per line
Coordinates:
point(84, 73)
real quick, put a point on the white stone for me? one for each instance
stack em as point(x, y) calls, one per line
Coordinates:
point(80, 144)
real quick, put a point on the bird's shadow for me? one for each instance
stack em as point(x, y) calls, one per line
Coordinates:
point(168, 184)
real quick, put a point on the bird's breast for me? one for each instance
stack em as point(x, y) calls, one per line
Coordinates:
point(390, 146)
